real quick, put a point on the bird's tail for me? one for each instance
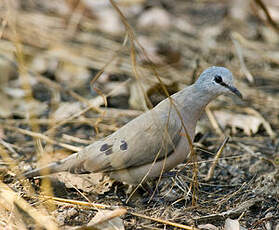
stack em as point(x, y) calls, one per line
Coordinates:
point(58, 166)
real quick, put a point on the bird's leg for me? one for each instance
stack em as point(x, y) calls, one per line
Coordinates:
point(130, 189)
point(139, 190)
point(124, 192)
point(147, 187)
point(152, 193)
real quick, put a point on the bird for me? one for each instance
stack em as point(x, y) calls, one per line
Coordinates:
point(153, 142)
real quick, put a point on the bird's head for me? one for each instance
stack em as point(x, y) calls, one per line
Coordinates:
point(217, 81)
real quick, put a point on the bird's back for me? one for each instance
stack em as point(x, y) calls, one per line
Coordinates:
point(152, 135)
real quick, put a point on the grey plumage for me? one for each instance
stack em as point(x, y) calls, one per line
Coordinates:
point(153, 141)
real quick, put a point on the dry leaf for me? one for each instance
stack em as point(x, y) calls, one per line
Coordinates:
point(108, 220)
point(248, 123)
point(232, 225)
point(93, 182)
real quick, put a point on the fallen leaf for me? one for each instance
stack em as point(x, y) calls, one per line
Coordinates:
point(232, 225)
point(108, 220)
point(248, 123)
point(94, 182)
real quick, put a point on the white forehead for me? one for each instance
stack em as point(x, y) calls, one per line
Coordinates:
point(213, 71)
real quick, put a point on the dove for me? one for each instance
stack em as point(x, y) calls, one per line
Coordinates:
point(153, 142)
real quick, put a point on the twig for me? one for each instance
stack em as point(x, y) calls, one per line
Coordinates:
point(213, 121)
point(11, 197)
point(182, 226)
point(214, 163)
point(105, 217)
point(233, 212)
point(45, 138)
point(269, 18)
point(239, 53)
point(98, 206)
point(8, 146)
point(81, 203)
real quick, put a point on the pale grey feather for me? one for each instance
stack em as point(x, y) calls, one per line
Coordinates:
point(129, 154)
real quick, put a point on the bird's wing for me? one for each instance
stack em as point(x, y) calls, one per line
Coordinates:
point(149, 137)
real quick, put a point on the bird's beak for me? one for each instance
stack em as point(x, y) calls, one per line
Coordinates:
point(235, 91)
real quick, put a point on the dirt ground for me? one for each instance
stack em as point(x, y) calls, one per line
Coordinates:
point(73, 72)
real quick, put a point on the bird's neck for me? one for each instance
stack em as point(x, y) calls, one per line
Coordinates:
point(193, 101)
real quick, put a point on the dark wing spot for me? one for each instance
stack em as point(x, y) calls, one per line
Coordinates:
point(108, 151)
point(124, 145)
point(106, 148)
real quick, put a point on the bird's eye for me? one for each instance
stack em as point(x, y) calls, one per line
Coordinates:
point(218, 79)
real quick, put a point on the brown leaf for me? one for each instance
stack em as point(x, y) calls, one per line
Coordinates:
point(108, 220)
point(232, 224)
point(248, 123)
point(93, 182)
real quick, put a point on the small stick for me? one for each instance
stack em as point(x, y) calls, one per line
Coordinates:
point(45, 138)
point(80, 203)
point(182, 226)
point(267, 14)
point(216, 158)
point(13, 198)
point(105, 218)
point(239, 53)
point(8, 146)
point(213, 121)
point(97, 206)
